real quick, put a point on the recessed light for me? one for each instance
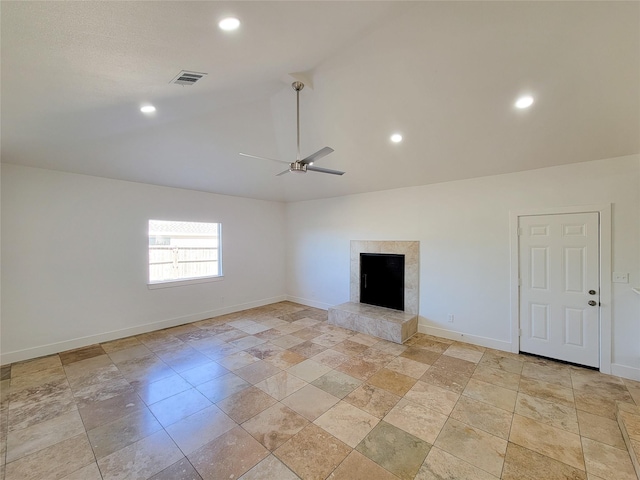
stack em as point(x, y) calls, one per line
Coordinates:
point(228, 24)
point(396, 138)
point(524, 102)
point(148, 109)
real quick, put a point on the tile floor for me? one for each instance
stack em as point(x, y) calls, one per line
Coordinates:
point(277, 393)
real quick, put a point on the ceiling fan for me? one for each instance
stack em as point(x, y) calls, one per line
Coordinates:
point(306, 164)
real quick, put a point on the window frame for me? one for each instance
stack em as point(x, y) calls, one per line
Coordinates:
point(179, 282)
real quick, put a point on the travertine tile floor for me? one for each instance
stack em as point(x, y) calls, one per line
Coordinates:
point(277, 393)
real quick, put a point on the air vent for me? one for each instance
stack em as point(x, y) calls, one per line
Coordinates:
point(187, 78)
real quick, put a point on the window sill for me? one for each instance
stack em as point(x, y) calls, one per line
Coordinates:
point(183, 283)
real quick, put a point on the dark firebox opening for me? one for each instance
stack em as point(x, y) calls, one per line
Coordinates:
point(382, 280)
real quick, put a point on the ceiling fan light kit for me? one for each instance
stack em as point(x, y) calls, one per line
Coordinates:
point(306, 164)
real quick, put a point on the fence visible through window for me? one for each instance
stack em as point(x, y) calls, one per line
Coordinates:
point(183, 250)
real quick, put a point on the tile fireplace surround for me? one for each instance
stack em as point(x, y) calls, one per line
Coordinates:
point(392, 325)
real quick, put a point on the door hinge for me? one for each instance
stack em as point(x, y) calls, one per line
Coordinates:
point(519, 332)
point(519, 231)
point(519, 282)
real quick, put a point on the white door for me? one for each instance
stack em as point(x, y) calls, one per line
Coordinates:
point(559, 287)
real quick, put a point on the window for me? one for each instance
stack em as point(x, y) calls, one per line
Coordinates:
point(183, 251)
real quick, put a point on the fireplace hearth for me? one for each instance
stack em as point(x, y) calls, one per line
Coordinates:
point(397, 323)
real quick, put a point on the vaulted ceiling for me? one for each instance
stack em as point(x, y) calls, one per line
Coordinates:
point(443, 74)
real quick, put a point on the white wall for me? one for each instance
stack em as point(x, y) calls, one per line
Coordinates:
point(463, 229)
point(74, 259)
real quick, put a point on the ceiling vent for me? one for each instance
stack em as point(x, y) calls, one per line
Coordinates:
point(187, 78)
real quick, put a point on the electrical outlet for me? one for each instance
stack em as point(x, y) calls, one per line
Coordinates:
point(620, 277)
point(450, 318)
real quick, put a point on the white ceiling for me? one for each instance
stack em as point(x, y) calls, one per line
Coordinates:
point(444, 74)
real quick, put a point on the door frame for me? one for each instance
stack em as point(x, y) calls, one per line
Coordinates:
point(604, 211)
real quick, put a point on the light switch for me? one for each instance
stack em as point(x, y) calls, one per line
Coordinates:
point(620, 277)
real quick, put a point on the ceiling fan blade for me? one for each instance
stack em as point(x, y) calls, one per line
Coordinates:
point(316, 156)
point(282, 173)
point(324, 170)
point(263, 158)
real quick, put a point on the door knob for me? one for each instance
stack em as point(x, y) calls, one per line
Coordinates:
point(592, 292)
point(593, 303)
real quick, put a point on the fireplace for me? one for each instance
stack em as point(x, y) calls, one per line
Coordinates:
point(382, 280)
point(388, 311)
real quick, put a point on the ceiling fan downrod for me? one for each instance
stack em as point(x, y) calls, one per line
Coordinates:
point(297, 86)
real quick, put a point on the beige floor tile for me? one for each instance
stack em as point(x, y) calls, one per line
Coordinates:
point(90, 472)
point(237, 360)
point(547, 440)
point(606, 461)
point(392, 381)
point(41, 435)
point(497, 377)
point(34, 405)
point(36, 365)
point(347, 423)
point(376, 401)
point(308, 370)
point(310, 402)
point(499, 362)
point(524, 464)
point(595, 404)
point(554, 414)
point(141, 459)
point(472, 445)
point(71, 356)
point(491, 394)
point(547, 391)
point(275, 425)
point(350, 348)
point(442, 377)
point(421, 355)
point(337, 383)
point(120, 344)
point(308, 349)
point(464, 353)
point(358, 467)
point(442, 465)
point(245, 404)
point(113, 436)
point(408, 367)
point(256, 372)
point(203, 373)
point(55, 461)
point(547, 374)
point(264, 350)
point(418, 420)
point(493, 420)
point(179, 406)
point(194, 431)
point(181, 470)
point(285, 359)
point(394, 449)
point(113, 385)
point(270, 468)
point(287, 341)
point(330, 358)
point(162, 389)
point(359, 367)
point(312, 453)
point(438, 398)
point(37, 378)
point(281, 385)
point(229, 456)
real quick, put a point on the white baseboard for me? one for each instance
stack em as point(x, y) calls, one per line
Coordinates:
point(625, 372)
point(51, 348)
point(463, 337)
point(309, 303)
